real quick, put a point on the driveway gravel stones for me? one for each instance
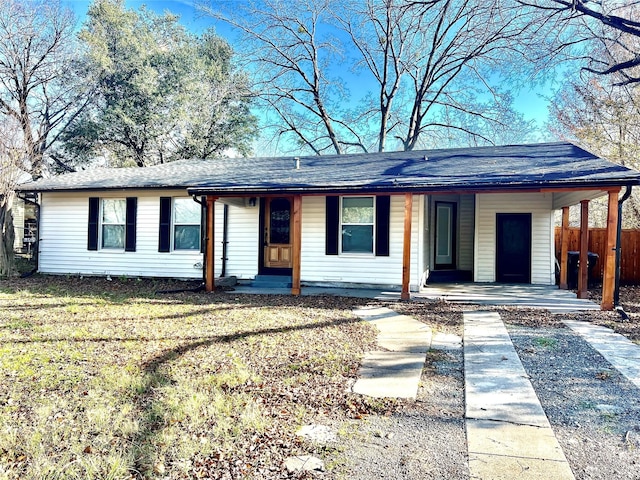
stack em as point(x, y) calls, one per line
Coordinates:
point(594, 411)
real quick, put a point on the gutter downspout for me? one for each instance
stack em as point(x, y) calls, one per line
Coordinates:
point(37, 242)
point(616, 290)
point(225, 239)
point(203, 205)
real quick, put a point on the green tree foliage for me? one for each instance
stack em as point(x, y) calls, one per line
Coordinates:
point(160, 92)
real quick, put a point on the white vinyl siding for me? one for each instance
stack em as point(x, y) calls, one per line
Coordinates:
point(242, 237)
point(376, 270)
point(542, 225)
point(64, 250)
point(466, 218)
point(63, 246)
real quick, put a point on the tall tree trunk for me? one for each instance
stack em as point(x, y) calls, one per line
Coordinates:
point(7, 259)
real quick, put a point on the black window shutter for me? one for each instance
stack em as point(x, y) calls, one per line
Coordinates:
point(332, 225)
point(383, 208)
point(94, 212)
point(130, 225)
point(164, 240)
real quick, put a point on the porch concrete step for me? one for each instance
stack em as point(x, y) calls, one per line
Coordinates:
point(272, 281)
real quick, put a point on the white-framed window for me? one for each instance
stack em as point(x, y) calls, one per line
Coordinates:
point(357, 217)
point(112, 223)
point(186, 224)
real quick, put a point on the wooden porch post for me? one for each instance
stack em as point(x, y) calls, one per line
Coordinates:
point(406, 246)
point(209, 268)
point(296, 244)
point(564, 248)
point(583, 270)
point(608, 278)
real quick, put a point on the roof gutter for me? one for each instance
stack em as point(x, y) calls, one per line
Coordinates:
point(386, 189)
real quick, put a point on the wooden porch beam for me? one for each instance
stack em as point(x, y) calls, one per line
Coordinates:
point(583, 270)
point(209, 267)
point(608, 279)
point(296, 244)
point(406, 247)
point(564, 248)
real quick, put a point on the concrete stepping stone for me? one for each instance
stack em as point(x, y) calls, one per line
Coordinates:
point(508, 433)
point(395, 369)
point(618, 350)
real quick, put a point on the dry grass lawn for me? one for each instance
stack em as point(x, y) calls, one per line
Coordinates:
point(109, 380)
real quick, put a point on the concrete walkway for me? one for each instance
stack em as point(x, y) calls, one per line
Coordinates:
point(618, 350)
point(395, 368)
point(508, 433)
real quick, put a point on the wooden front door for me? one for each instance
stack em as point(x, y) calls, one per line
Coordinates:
point(513, 247)
point(277, 233)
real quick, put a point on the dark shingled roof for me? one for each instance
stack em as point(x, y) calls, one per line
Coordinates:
point(484, 168)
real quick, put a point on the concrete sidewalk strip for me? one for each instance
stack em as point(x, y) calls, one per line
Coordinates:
point(396, 368)
point(508, 433)
point(618, 350)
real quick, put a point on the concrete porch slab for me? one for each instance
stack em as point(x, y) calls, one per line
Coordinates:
point(548, 297)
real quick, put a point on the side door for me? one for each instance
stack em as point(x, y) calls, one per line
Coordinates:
point(513, 247)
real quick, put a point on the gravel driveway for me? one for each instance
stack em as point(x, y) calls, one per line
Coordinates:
point(594, 411)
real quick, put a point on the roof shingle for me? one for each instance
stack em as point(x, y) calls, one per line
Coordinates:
point(481, 168)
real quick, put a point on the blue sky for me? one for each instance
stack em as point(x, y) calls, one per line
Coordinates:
point(189, 15)
point(531, 103)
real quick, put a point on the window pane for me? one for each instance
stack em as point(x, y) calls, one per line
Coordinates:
point(357, 238)
point(279, 221)
point(185, 210)
point(443, 232)
point(186, 237)
point(113, 211)
point(113, 236)
point(357, 210)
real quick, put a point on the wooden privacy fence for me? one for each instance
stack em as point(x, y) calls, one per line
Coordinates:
point(630, 254)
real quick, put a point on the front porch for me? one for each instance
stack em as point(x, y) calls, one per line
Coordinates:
point(491, 294)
